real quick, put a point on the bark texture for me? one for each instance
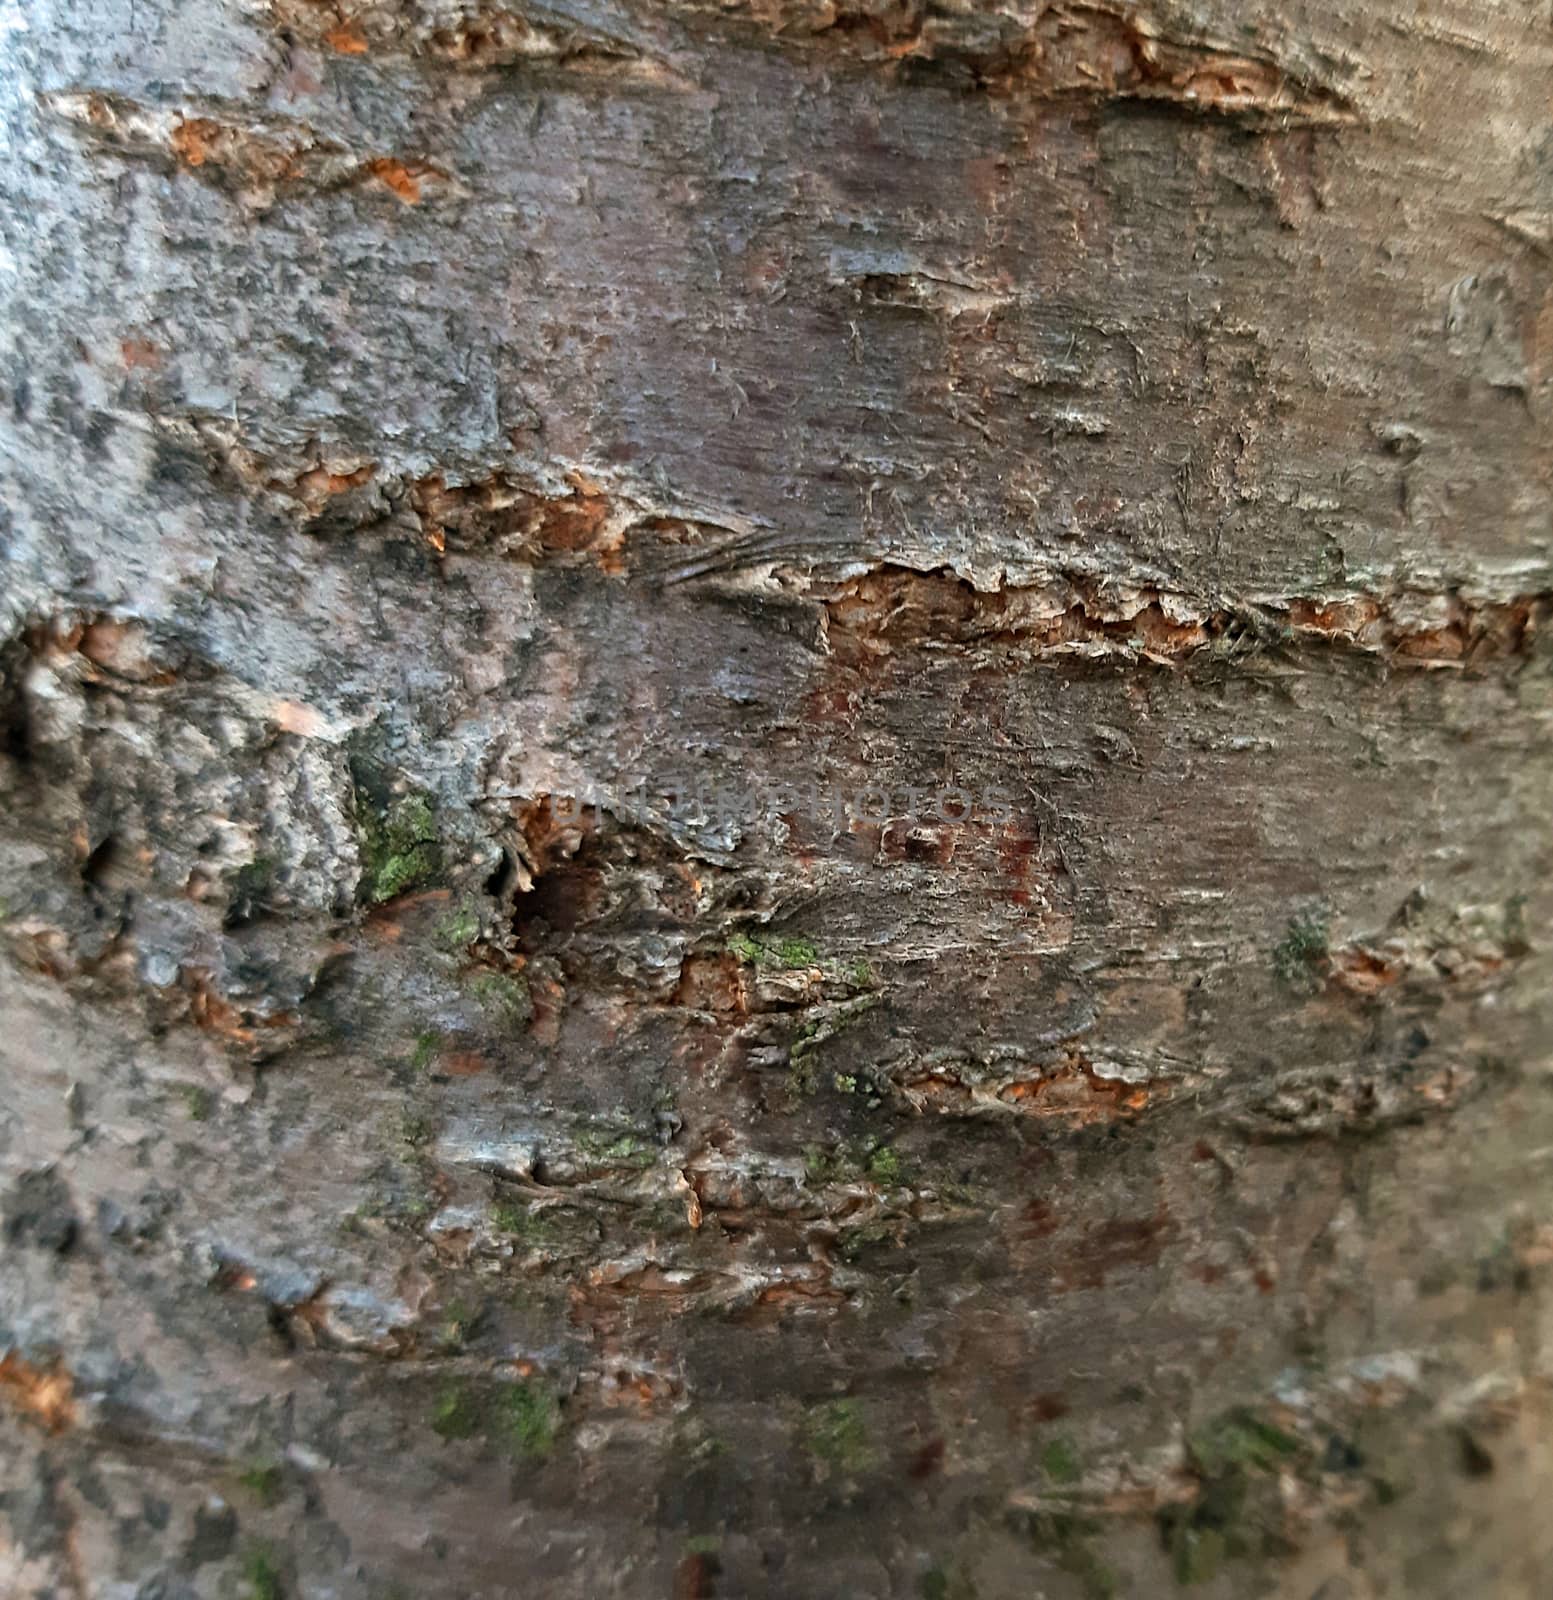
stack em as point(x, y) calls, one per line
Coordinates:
point(438, 436)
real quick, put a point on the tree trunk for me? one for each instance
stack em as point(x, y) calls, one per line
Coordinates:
point(776, 785)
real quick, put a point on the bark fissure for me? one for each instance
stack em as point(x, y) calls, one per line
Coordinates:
point(260, 157)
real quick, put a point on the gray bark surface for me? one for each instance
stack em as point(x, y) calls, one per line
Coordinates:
point(437, 1159)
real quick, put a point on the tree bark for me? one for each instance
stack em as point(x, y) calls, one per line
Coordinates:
point(776, 789)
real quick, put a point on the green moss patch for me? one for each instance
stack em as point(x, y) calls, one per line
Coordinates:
point(836, 1434)
point(1299, 956)
point(517, 1419)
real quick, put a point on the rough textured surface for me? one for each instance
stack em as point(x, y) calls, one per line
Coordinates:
point(449, 451)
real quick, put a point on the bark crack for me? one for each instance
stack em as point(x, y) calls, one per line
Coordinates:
point(889, 607)
point(258, 156)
